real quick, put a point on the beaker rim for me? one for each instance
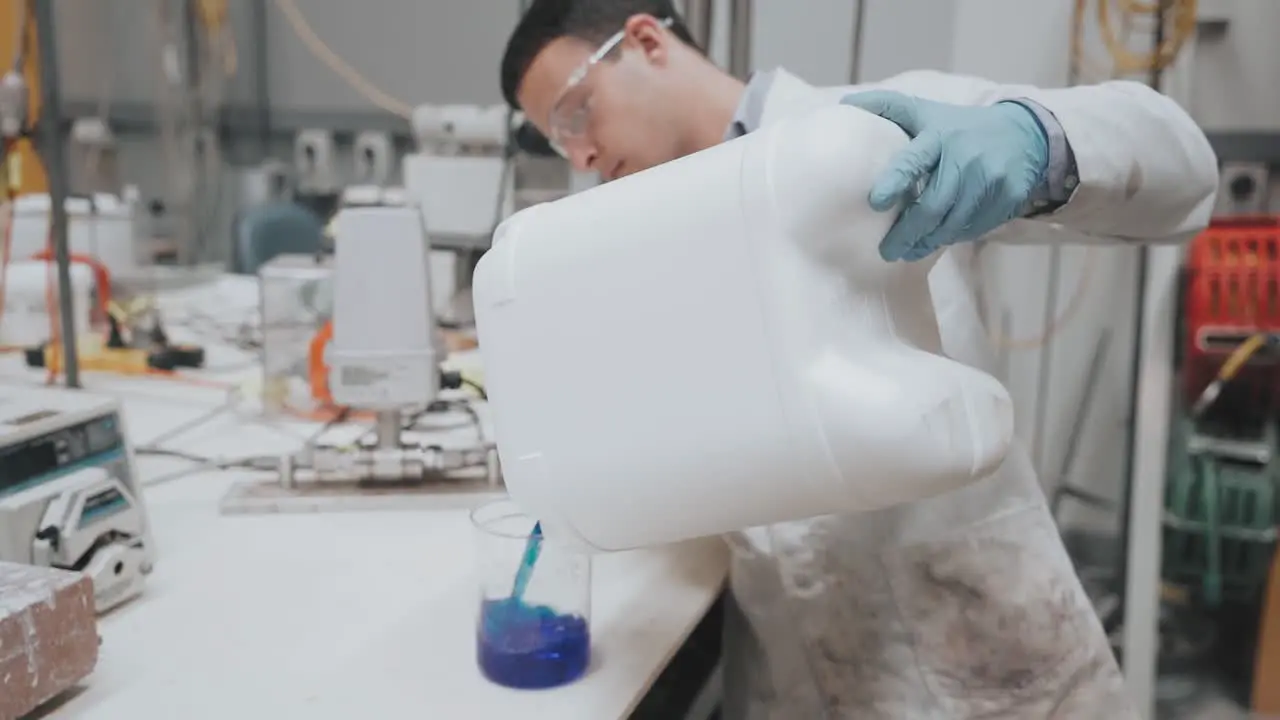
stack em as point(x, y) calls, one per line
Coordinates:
point(485, 524)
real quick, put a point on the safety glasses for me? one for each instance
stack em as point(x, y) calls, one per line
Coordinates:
point(571, 112)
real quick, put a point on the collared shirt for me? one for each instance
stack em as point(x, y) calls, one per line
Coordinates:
point(1061, 176)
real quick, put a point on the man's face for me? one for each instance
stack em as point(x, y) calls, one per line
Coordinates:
point(611, 114)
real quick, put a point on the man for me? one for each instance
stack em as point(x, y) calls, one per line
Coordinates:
point(961, 606)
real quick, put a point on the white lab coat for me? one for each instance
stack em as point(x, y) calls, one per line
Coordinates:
point(965, 605)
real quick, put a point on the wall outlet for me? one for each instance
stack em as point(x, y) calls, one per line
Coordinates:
point(1244, 189)
point(313, 155)
point(374, 158)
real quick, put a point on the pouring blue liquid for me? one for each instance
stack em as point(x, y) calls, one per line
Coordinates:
point(520, 645)
point(532, 549)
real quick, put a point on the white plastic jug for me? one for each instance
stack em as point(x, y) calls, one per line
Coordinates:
point(716, 344)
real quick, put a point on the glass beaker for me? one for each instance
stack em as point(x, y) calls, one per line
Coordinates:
point(533, 625)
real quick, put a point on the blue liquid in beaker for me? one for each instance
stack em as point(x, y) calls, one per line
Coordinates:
point(531, 646)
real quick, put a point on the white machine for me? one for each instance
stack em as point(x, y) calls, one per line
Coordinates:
point(30, 307)
point(463, 181)
point(68, 495)
point(459, 177)
point(102, 227)
point(384, 355)
point(716, 344)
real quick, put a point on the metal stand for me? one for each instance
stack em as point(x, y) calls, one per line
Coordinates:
point(387, 428)
point(740, 27)
point(855, 49)
point(1043, 385)
point(699, 16)
point(1153, 378)
point(53, 154)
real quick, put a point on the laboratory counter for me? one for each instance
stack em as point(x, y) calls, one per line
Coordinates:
point(338, 614)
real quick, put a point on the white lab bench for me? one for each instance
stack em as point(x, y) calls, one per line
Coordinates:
point(337, 615)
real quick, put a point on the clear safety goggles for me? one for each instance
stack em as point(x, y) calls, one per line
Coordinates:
point(570, 113)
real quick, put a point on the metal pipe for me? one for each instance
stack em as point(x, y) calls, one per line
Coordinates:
point(1144, 471)
point(740, 26)
point(262, 78)
point(698, 16)
point(1062, 484)
point(387, 426)
point(396, 465)
point(191, 40)
point(855, 51)
point(53, 155)
point(1135, 364)
point(1155, 77)
point(1039, 434)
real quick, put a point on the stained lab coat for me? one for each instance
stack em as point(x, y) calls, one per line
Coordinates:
point(965, 605)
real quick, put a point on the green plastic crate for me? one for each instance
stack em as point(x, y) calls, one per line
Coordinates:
point(1221, 510)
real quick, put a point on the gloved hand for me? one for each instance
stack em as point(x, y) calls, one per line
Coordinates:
point(974, 169)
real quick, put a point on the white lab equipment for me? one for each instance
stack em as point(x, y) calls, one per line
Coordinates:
point(457, 176)
point(68, 494)
point(267, 182)
point(101, 226)
point(384, 355)
point(93, 156)
point(462, 180)
point(295, 304)
point(27, 308)
point(715, 344)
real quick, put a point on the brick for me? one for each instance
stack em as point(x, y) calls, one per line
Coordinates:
point(48, 635)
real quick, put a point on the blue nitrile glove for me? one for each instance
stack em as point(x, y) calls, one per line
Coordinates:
point(975, 168)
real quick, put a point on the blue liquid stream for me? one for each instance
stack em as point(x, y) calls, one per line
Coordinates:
point(532, 549)
point(525, 646)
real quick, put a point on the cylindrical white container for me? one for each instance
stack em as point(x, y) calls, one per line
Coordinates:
point(27, 288)
point(716, 344)
point(102, 229)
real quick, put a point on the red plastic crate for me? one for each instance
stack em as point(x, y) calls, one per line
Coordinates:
point(1233, 291)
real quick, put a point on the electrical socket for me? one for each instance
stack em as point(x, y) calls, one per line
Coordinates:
point(373, 158)
point(313, 155)
point(1243, 189)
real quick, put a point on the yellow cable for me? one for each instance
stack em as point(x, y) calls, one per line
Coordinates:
point(1184, 13)
point(213, 15)
point(1183, 19)
point(338, 65)
point(1241, 355)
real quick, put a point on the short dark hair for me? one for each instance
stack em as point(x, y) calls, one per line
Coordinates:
point(593, 21)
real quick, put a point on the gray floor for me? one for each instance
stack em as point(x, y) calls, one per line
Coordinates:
point(1216, 709)
point(1196, 698)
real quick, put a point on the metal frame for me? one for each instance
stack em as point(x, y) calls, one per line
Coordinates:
point(741, 25)
point(246, 119)
point(1154, 386)
point(1259, 146)
point(53, 154)
point(699, 16)
point(1146, 494)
